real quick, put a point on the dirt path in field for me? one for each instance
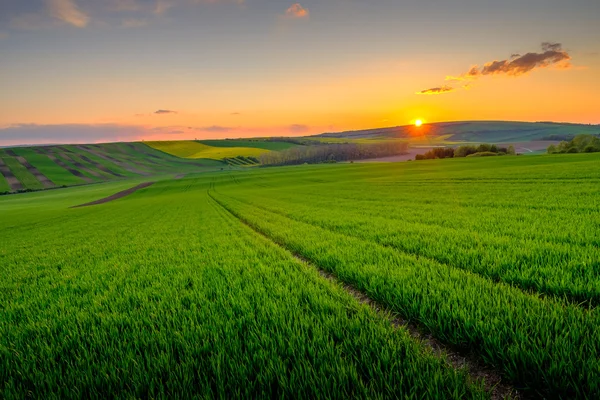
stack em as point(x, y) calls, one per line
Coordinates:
point(12, 180)
point(180, 176)
point(47, 183)
point(476, 369)
point(117, 196)
point(122, 164)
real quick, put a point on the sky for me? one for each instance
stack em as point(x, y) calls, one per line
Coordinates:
point(112, 70)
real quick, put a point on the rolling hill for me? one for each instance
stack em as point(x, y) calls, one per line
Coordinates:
point(473, 131)
point(47, 167)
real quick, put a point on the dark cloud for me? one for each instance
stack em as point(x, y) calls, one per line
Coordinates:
point(547, 46)
point(69, 133)
point(552, 55)
point(437, 90)
point(162, 112)
point(299, 128)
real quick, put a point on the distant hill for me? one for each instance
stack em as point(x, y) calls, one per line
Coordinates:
point(475, 131)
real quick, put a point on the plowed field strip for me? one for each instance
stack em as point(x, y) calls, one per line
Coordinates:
point(13, 182)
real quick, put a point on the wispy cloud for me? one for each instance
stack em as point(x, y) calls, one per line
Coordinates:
point(163, 112)
point(215, 128)
point(437, 90)
point(162, 6)
point(552, 55)
point(297, 11)
point(3, 35)
point(69, 12)
point(298, 128)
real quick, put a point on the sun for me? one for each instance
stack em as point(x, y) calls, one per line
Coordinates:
point(418, 123)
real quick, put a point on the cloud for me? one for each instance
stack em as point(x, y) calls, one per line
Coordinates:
point(236, 113)
point(133, 23)
point(215, 128)
point(162, 6)
point(547, 46)
point(552, 55)
point(437, 90)
point(297, 11)
point(163, 112)
point(3, 35)
point(299, 128)
point(67, 11)
point(68, 133)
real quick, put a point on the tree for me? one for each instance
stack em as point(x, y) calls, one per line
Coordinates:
point(511, 150)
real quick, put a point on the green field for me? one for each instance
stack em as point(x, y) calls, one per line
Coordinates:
point(72, 165)
point(193, 149)
point(213, 285)
point(254, 143)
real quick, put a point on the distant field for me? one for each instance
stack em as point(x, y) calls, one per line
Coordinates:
point(36, 168)
point(193, 149)
point(256, 143)
point(472, 131)
point(298, 282)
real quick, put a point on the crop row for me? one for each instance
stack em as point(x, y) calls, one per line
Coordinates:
point(546, 345)
point(554, 268)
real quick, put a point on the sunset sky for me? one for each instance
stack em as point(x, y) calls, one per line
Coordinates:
point(106, 70)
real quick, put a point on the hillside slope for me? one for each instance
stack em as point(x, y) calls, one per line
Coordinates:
point(475, 131)
point(46, 167)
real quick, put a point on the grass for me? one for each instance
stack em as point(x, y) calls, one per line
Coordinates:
point(196, 287)
point(4, 187)
point(193, 149)
point(185, 304)
point(469, 248)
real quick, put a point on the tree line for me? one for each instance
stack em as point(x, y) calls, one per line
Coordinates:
point(579, 144)
point(329, 153)
point(466, 151)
